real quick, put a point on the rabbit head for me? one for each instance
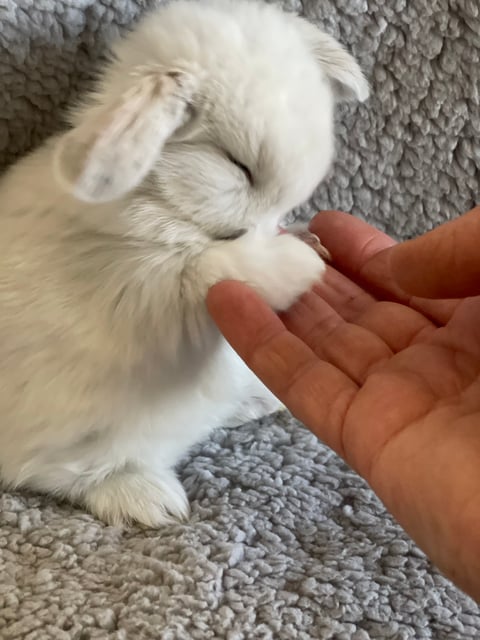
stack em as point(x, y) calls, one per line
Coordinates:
point(219, 112)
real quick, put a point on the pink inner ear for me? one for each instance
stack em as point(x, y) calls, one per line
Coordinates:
point(113, 149)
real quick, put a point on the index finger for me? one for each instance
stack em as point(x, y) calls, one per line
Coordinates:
point(350, 241)
point(363, 253)
point(317, 393)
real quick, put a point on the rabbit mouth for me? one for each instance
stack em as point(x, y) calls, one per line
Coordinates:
point(303, 233)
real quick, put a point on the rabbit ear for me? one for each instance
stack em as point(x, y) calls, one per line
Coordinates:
point(114, 148)
point(338, 65)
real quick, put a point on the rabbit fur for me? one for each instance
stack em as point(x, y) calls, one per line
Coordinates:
point(211, 121)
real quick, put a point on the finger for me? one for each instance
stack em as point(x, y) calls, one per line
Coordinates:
point(359, 251)
point(349, 347)
point(377, 274)
point(371, 333)
point(350, 241)
point(343, 294)
point(316, 392)
point(444, 263)
point(396, 325)
point(439, 311)
point(362, 253)
point(462, 336)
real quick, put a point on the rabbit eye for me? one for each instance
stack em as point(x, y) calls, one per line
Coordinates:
point(246, 171)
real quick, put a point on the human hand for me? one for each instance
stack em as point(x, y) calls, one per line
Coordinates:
point(389, 381)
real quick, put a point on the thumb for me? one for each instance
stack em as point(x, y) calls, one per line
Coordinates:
point(444, 263)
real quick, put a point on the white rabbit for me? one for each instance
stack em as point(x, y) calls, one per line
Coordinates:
point(213, 120)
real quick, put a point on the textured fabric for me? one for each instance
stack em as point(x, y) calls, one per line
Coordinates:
point(284, 541)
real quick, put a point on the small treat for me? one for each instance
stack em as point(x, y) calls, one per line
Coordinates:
point(302, 232)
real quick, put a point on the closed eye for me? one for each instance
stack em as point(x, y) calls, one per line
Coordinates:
point(246, 171)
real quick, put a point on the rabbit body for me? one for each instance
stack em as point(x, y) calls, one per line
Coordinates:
point(212, 121)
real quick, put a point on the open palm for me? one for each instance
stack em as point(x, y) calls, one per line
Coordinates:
point(390, 382)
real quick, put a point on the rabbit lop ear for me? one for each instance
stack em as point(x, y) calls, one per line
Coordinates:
point(337, 64)
point(117, 144)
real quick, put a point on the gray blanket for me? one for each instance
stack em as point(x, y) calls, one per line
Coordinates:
point(285, 541)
